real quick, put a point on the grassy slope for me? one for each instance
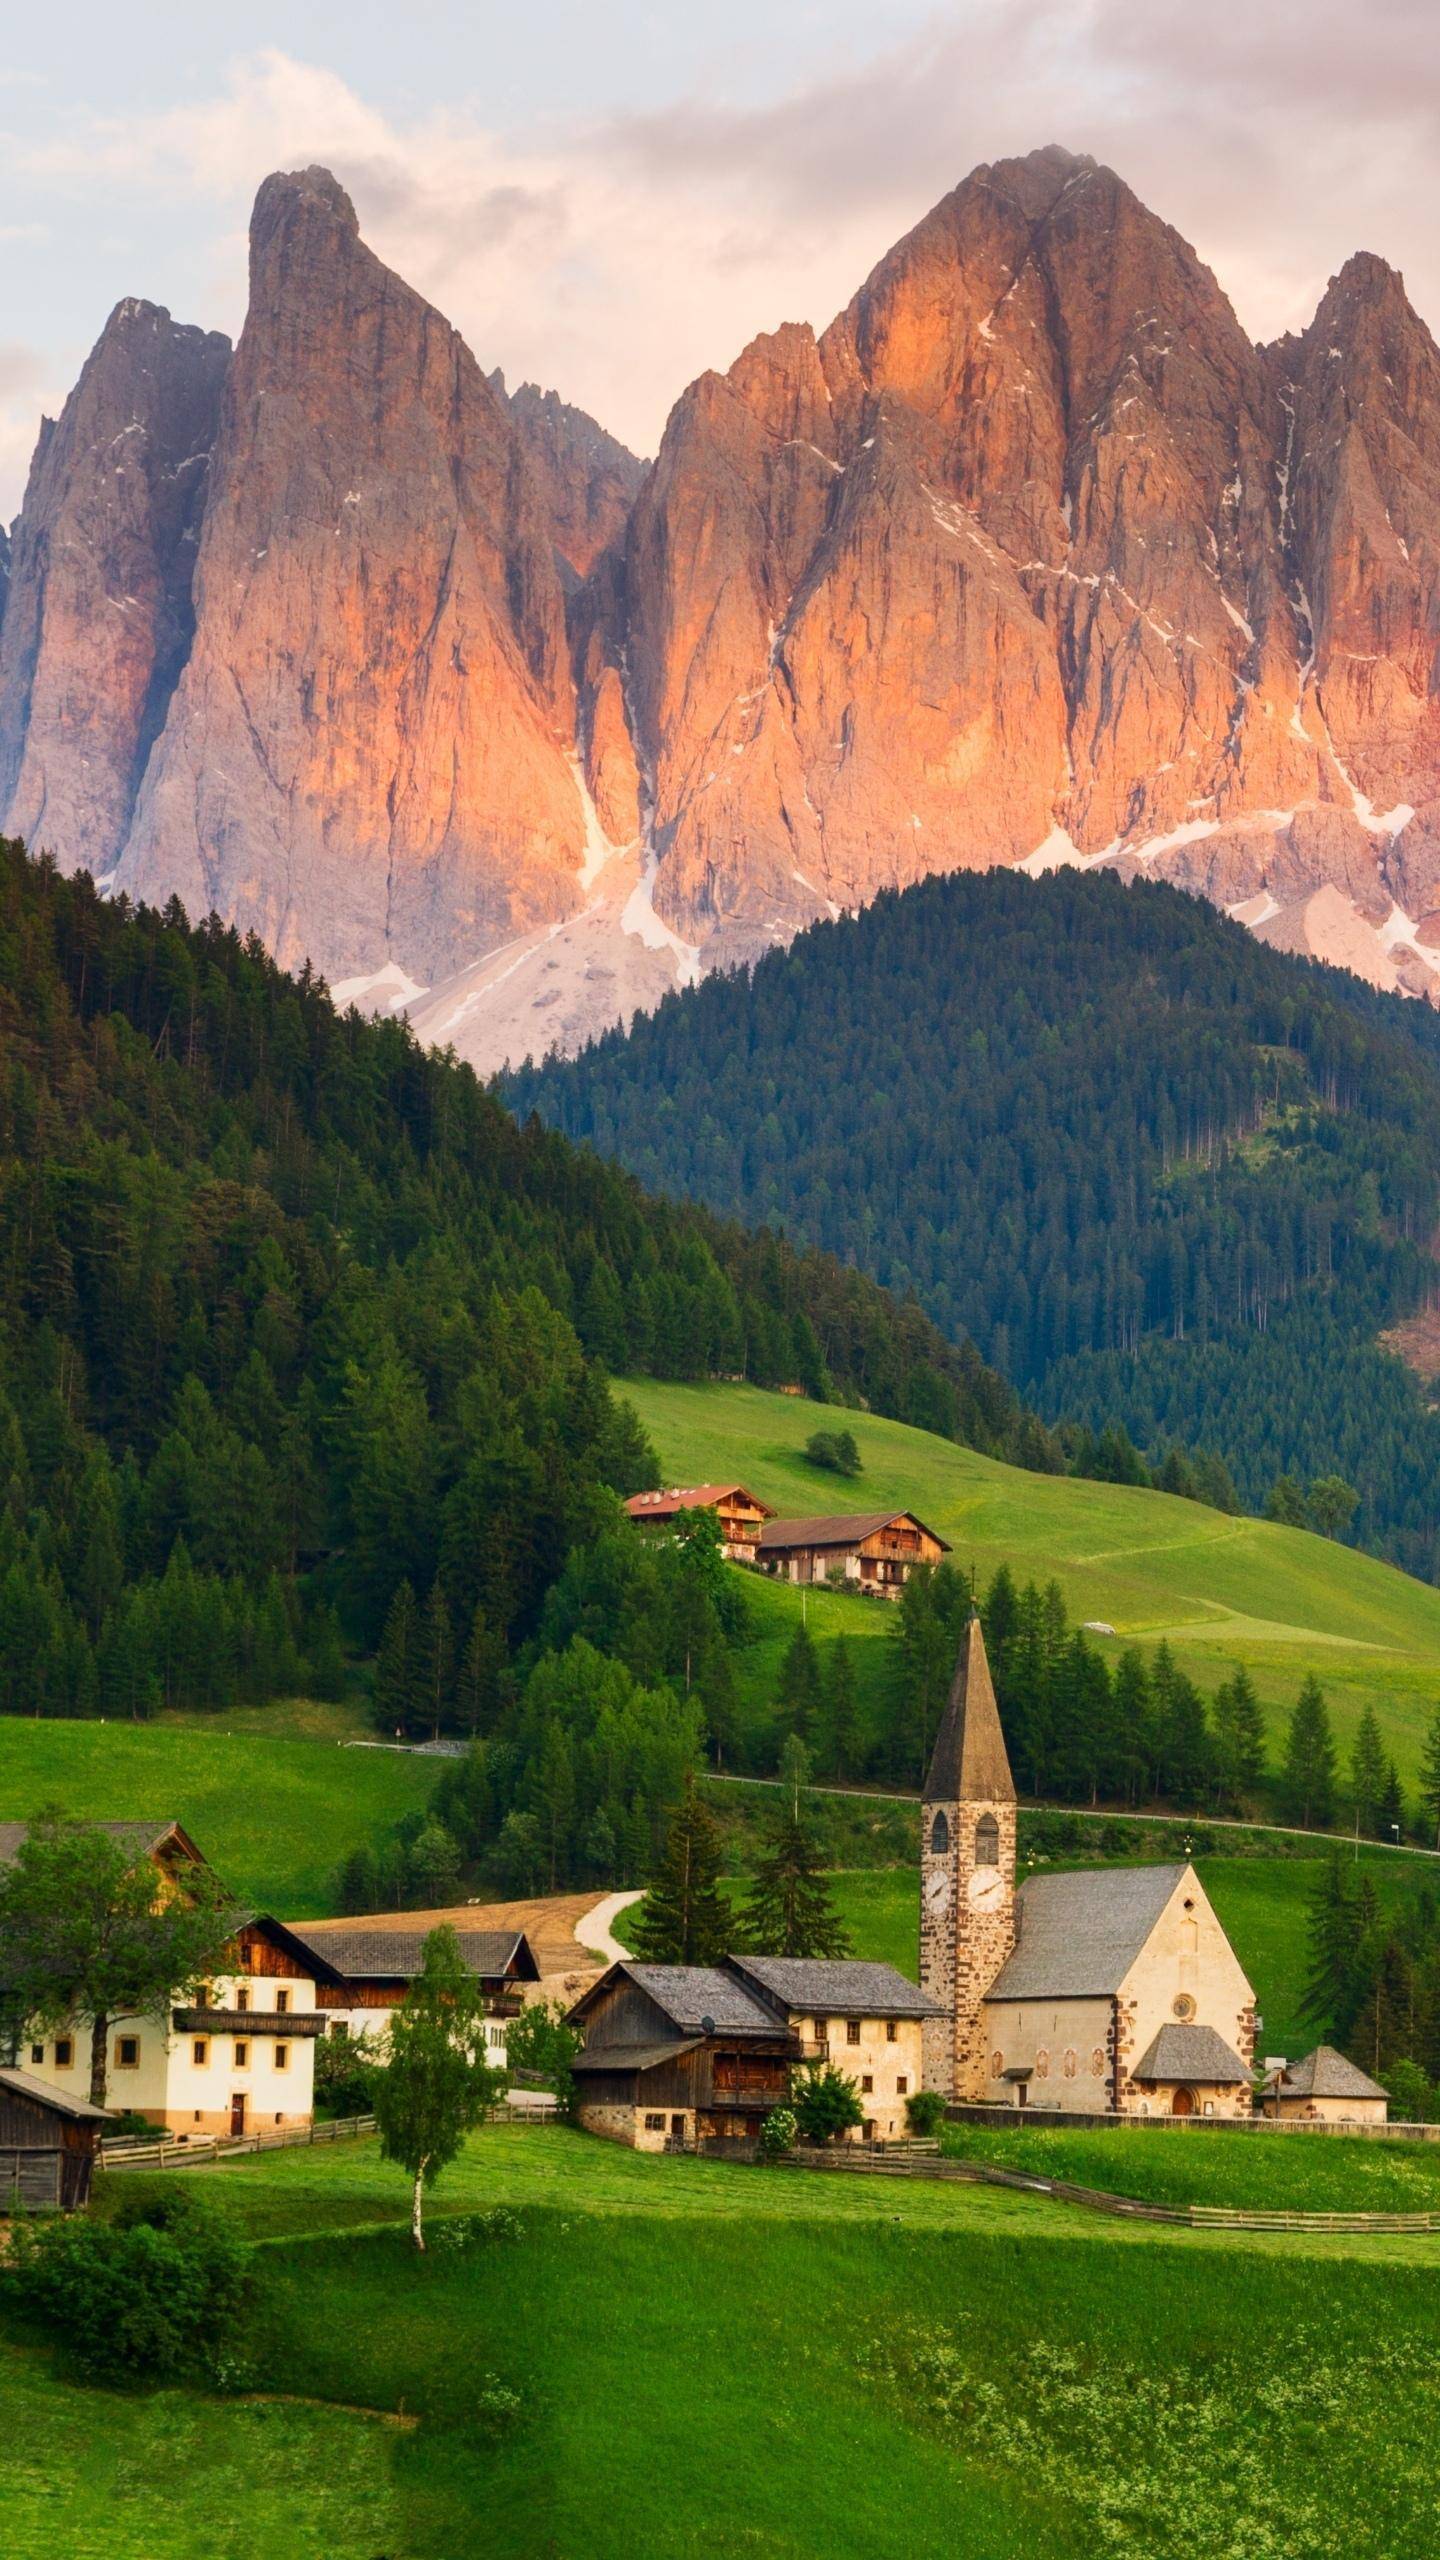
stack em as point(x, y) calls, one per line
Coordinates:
point(274, 1816)
point(1222, 1591)
point(716, 2359)
point(1291, 2173)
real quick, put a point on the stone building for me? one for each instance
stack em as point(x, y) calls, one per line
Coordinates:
point(1324, 2089)
point(1110, 1991)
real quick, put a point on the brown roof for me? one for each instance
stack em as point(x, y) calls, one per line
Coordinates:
point(969, 1763)
point(43, 2094)
point(840, 1529)
point(691, 1497)
point(1325, 2074)
point(633, 2057)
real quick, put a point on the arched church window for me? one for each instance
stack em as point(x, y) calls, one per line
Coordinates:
point(940, 1837)
point(987, 1841)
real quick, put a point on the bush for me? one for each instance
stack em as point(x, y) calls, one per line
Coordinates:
point(834, 1450)
point(540, 2048)
point(460, 2232)
point(777, 2133)
point(925, 2112)
point(1412, 2099)
point(826, 2104)
point(346, 2070)
point(157, 2293)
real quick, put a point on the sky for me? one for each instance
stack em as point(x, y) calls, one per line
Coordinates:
point(608, 199)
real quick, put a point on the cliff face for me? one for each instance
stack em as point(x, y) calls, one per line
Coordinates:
point(366, 757)
point(98, 619)
point(1031, 556)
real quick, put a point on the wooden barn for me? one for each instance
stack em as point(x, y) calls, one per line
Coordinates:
point(740, 1513)
point(47, 2145)
point(875, 1551)
point(676, 2054)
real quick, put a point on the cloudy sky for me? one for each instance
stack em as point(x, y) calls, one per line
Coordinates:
point(610, 198)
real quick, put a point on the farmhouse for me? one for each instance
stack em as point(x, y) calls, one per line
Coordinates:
point(370, 1968)
point(675, 2055)
point(237, 2058)
point(1324, 2089)
point(740, 1514)
point(1115, 1991)
point(47, 2145)
point(875, 1551)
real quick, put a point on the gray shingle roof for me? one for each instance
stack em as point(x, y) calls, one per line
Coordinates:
point(140, 1835)
point(832, 1988)
point(1080, 1934)
point(26, 2085)
point(632, 2057)
point(838, 1529)
point(1191, 2053)
point(397, 1955)
point(689, 1992)
point(1326, 2074)
point(969, 1763)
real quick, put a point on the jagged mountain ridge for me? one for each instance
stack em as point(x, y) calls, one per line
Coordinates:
point(1030, 557)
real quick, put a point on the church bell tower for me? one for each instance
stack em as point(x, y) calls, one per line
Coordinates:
point(967, 1874)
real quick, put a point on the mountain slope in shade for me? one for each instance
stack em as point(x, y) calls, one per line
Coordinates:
point(1030, 558)
point(367, 758)
point(98, 620)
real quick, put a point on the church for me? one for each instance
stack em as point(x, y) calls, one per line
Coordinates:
point(1113, 1991)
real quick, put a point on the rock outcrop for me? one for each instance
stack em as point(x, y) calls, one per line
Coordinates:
point(367, 758)
point(98, 619)
point(1030, 557)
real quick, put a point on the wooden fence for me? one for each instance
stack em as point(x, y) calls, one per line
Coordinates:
point(894, 2163)
point(166, 2152)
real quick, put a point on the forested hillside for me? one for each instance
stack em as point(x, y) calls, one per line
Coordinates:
point(304, 1340)
point(1160, 1175)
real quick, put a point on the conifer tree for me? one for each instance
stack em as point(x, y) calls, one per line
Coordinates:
point(1430, 1777)
point(436, 1660)
point(478, 1679)
point(397, 1664)
point(839, 1749)
point(685, 1917)
point(790, 1911)
point(801, 1694)
point(1307, 1773)
point(1367, 1770)
point(1330, 1918)
point(1390, 1813)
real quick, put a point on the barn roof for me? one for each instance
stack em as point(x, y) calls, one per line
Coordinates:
point(1191, 2053)
point(1326, 2074)
point(690, 1993)
point(149, 1835)
point(839, 1529)
point(633, 2057)
point(44, 2094)
point(832, 1988)
point(969, 1763)
point(397, 1955)
point(1078, 1935)
point(690, 1497)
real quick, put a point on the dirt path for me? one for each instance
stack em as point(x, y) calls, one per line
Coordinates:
point(594, 1931)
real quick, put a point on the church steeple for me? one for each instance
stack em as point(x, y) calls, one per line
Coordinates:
point(970, 1761)
point(967, 1874)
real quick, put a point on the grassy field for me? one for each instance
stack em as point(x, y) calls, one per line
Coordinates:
point(687, 2358)
point(1221, 1591)
point(1257, 2172)
point(275, 1816)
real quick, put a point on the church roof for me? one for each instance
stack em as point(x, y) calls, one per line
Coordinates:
point(831, 1987)
point(1326, 2074)
point(1191, 2053)
point(1078, 1935)
point(969, 1763)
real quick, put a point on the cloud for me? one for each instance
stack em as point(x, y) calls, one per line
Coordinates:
point(617, 257)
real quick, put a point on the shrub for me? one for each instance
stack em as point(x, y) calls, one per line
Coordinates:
point(777, 2133)
point(346, 2070)
point(925, 2112)
point(826, 2104)
point(158, 2292)
point(834, 1450)
point(1412, 2099)
point(460, 2232)
point(540, 2048)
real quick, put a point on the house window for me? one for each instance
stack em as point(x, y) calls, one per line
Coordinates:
point(282, 2057)
point(127, 2053)
point(200, 2049)
point(891, 2031)
point(282, 2002)
point(987, 1841)
point(242, 1998)
point(867, 2084)
point(64, 2053)
point(901, 2085)
point(242, 2053)
point(822, 2029)
point(940, 1837)
point(205, 1996)
point(654, 2124)
point(37, 2053)
point(852, 2030)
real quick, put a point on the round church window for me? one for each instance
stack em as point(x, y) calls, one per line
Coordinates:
point(1182, 2006)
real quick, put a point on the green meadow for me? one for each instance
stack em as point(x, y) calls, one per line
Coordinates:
point(1221, 1591)
point(686, 2358)
point(275, 1815)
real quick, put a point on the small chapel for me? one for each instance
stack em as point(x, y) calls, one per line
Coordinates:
point(1111, 1991)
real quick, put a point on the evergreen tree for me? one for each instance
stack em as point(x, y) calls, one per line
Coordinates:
point(790, 1911)
point(436, 1660)
point(477, 1685)
point(399, 1691)
point(1390, 1812)
point(1430, 1777)
point(685, 1917)
point(838, 1748)
point(1367, 1771)
point(1330, 1919)
point(356, 1886)
point(1307, 1772)
point(801, 1695)
point(1239, 1739)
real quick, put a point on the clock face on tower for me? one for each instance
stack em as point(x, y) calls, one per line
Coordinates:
point(987, 1889)
point(937, 1890)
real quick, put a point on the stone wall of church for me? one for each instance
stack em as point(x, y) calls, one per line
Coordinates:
point(1187, 1973)
point(1065, 2045)
point(963, 1942)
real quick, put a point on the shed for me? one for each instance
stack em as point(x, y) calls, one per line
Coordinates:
point(47, 2145)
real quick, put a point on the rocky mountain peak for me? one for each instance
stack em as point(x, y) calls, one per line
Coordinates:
point(295, 195)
